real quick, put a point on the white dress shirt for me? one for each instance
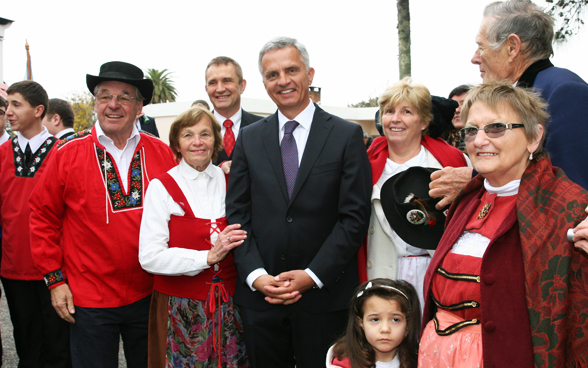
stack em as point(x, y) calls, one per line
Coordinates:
point(35, 143)
point(304, 119)
point(123, 157)
point(236, 119)
point(205, 192)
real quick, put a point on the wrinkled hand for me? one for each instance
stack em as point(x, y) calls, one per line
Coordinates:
point(581, 235)
point(62, 301)
point(226, 166)
point(447, 183)
point(228, 239)
point(273, 289)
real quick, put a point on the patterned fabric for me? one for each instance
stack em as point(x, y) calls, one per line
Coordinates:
point(229, 137)
point(20, 169)
point(53, 278)
point(192, 330)
point(548, 205)
point(115, 189)
point(290, 155)
point(462, 349)
point(77, 135)
point(454, 139)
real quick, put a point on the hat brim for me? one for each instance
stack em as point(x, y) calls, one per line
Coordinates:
point(395, 210)
point(145, 86)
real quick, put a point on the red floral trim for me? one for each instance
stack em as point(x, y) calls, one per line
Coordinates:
point(53, 278)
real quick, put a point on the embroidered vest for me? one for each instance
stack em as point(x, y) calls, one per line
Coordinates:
point(191, 232)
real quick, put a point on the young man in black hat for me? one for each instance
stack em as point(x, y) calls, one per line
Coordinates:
point(22, 164)
point(86, 214)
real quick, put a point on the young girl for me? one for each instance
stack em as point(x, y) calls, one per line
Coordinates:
point(383, 328)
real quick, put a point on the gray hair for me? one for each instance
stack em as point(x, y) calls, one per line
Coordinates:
point(281, 43)
point(137, 92)
point(526, 20)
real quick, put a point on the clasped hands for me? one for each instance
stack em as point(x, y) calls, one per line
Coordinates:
point(285, 288)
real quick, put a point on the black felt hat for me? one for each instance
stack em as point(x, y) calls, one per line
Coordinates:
point(409, 209)
point(443, 111)
point(122, 72)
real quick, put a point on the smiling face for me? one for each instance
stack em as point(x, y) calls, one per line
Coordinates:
point(196, 144)
point(403, 128)
point(494, 64)
point(457, 123)
point(23, 117)
point(224, 89)
point(384, 325)
point(286, 80)
point(503, 159)
point(116, 120)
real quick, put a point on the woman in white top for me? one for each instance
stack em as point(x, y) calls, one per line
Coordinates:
point(405, 115)
point(185, 242)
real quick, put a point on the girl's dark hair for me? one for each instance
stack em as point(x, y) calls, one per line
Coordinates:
point(354, 345)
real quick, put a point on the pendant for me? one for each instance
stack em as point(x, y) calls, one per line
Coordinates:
point(484, 211)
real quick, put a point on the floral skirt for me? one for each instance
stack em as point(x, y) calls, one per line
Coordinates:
point(461, 349)
point(196, 337)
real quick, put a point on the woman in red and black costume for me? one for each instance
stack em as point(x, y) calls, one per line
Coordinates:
point(406, 113)
point(505, 288)
point(185, 241)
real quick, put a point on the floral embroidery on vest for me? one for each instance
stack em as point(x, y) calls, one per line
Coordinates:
point(38, 157)
point(114, 186)
point(81, 133)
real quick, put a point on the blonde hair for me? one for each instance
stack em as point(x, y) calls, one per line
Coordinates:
point(405, 90)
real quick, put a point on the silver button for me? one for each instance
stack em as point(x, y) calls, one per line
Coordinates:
point(372, 230)
point(369, 264)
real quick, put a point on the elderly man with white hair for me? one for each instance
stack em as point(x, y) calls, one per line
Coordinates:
point(515, 44)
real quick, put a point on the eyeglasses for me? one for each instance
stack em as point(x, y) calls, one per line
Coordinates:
point(122, 99)
point(493, 130)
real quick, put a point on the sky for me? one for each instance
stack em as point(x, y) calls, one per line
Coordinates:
point(353, 45)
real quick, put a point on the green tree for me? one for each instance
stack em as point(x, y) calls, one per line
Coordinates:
point(82, 104)
point(164, 90)
point(570, 14)
point(404, 64)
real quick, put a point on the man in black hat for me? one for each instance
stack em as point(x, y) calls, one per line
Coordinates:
point(85, 220)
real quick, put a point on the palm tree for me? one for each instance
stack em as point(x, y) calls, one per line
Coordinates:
point(163, 88)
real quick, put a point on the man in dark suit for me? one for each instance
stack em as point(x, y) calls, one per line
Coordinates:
point(147, 124)
point(515, 44)
point(224, 86)
point(59, 119)
point(300, 186)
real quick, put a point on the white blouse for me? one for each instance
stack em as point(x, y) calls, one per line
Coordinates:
point(205, 192)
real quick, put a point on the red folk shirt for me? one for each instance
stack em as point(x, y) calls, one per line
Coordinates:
point(16, 184)
point(85, 226)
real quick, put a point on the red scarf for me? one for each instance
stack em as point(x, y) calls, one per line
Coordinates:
point(556, 275)
point(378, 154)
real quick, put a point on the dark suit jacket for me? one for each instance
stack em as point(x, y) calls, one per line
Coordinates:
point(321, 227)
point(148, 125)
point(567, 96)
point(246, 119)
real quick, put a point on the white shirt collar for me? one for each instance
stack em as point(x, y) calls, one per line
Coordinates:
point(304, 118)
point(190, 173)
point(236, 119)
point(63, 132)
point(102, 137)
point(36, 142)
point(509, 189)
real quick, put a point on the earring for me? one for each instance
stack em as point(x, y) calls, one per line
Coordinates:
point(531, 157)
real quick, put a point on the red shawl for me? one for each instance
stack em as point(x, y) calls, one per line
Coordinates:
point(378, 154)
point(556, 274)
